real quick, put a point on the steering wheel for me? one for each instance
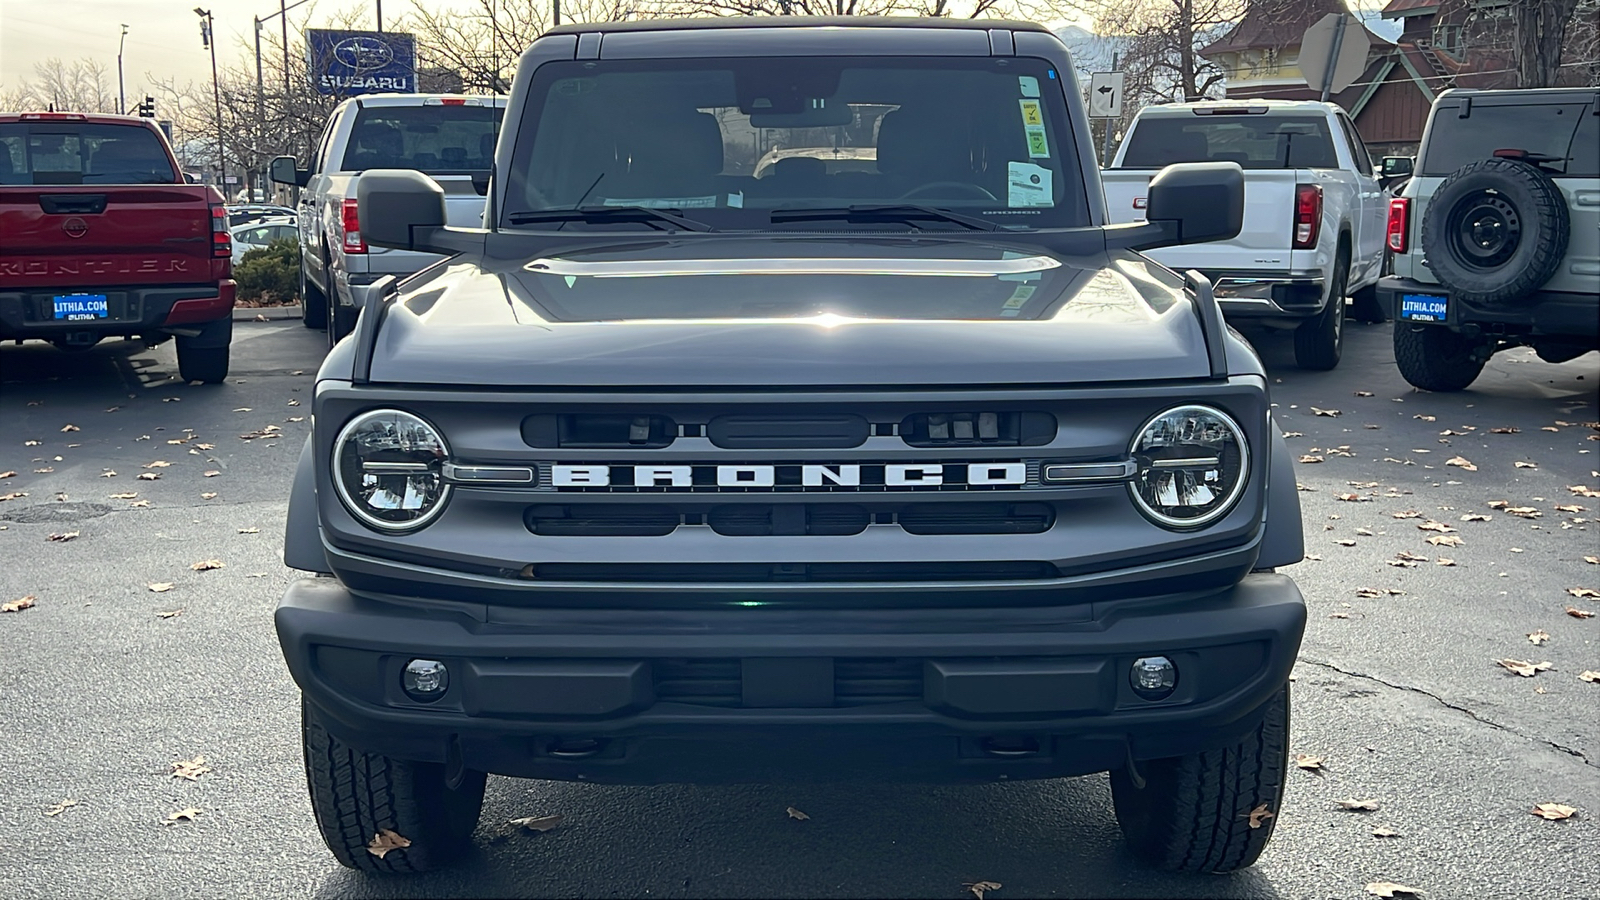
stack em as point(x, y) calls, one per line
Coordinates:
point(965, 186)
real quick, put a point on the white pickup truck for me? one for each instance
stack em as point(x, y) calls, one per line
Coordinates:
point(1314, 212)
point(449, 137)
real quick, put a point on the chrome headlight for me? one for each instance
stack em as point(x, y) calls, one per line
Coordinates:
point(388, 469)
point(1193, 463)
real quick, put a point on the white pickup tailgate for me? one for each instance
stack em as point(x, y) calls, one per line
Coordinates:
point(1263, 241)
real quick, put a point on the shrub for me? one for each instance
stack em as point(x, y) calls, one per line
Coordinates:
point(271, 273)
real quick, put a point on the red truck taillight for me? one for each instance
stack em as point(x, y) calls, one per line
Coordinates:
point(221, 240)
point(1307, 215)
point(352, 228)
point(1399, 224)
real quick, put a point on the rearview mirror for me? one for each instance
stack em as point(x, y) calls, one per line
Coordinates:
point(284, 171)
point(398, 207)
point(1398, 166)
point(1187, 203)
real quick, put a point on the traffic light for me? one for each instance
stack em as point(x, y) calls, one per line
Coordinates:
point(147, 109)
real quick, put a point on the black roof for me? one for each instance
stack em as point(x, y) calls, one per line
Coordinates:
point(697, 23)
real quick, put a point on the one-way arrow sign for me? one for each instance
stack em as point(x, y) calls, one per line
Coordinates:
point(1105, 95)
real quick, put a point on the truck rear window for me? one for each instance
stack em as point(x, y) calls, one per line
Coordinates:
point(728, 141)
point(439, 140)
point(1253, 141)
point(82, 153)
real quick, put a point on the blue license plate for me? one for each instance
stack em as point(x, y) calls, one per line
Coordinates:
point(78, 307)
point(1423, 307)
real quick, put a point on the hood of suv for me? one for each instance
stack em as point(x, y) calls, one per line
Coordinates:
point(804, 311)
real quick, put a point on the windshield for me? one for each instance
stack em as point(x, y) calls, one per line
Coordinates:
point(438, 140)
point(727, 141)
point(1254, 141)
point(81, 153)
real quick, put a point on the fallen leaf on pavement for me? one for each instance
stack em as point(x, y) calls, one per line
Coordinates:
point(1524, 512)
point(1324, 412)
point(1364, 532)
point(190, 769)
point(294, 402)
point(1583, 490)
point(66, 428)
point(385, 841)
point(1592, 560)
point(1524, 668)
point(1499, 504)
point(209, 495)
point(169, 613)
point(1308, 458)
point(1446, 540)
point(149, 476)
point(1406, 514)
point(160, 587)
point(206, 565)
point(1505, 430)
point(1259, 816)
point(979, 887)
point(1590, 676)
point(212, 473)
point(1577, 613)
point(1382, 831)
point(30, 443)
point(1461, 462)
point(1522, 464)
point(8, 474)
point(242, 409)
point(1363, 393)
point(1308, 762)
point(1554, 811)
point(1440, 527)
point(1476, 517)
point(1290, 434)
point(1425, 418)
point(206, 446)
point(18, 605)
point(46, 470)
point(1357, 805)
point(59, 808)
point(1445, 561)
point(1539, 637)
point(1345, 543)
point(157, 464)
point(1584, 593)
point(62, 536)
point(139, 504)
point(1569, 508)
point(249, 531)
point(797, 814)
point(1390, 889)
point(182, 815)
point(109, 473)
point(537, 823)
point(1353, 498)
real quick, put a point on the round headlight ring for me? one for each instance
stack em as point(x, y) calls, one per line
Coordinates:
point(1232, 493)
point(431, 448)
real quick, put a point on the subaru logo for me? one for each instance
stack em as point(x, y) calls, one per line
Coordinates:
point(363, 54)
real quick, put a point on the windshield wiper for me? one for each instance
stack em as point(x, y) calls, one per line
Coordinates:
point(886, 212)
point(644, 214)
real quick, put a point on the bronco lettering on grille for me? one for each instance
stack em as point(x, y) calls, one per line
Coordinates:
point(851, 476)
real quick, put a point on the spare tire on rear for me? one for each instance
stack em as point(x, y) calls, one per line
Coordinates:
point(1495, 231)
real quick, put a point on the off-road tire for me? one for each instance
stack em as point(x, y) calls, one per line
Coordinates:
point(1364, 306)
point(355, 795)
point(1435, 358)
point(208, 365)
point(1520, 195)
point(313, 302)
point(341, 321)
point(1319, 341)
point(1193, 814)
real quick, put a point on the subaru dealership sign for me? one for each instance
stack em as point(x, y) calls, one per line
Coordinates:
point(362, 62)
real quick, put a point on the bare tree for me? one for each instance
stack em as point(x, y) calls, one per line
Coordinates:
point(1163, 42)
point(77, 86)
point(1539, 28)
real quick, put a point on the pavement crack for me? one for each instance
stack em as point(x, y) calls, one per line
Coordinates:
point(1574, 753)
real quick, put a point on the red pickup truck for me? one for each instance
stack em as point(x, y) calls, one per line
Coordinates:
point(102, 236)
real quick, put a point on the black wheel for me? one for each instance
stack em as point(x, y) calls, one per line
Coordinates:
point(313, 302)
point(341, 321)
point(1364, 306)
point(1435, 358)
point(204, 364)
point(1319, 341)
point(1495, 231)
point(1194, 813)
point(357, 795)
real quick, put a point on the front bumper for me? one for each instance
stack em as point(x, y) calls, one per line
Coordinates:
point(749, 694)
point(1541, 314)
point(146, 311)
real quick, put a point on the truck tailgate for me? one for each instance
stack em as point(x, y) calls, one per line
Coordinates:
point(463, 208)
point(88, 235)
point(1263, 241)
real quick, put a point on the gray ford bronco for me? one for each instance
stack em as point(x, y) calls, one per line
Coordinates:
point(796, 415)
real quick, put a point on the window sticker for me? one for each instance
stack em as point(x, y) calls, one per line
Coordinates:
point(1029, 85)
point(1033, 128)
point(1028, 185)
point(1031, 113)
point(1019, 298)
point(736, 200)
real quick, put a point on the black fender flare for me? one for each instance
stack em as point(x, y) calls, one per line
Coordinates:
point(302, 531)
point(1283, 540)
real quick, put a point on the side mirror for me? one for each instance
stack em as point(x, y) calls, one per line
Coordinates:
point(1187, 203)
point(284, 171)
point(1398, 166)
point(398, 207)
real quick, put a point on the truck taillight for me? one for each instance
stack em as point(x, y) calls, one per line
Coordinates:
point(1399, 224)
point(352, 229)
point(221, 240)
point(1307, 215)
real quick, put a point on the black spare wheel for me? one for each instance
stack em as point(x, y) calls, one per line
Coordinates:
point(1495, 231)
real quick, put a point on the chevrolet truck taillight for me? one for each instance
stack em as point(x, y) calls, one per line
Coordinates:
point(1307, 215)
point(1399, 224)
point(352, 229)
point(221, 240)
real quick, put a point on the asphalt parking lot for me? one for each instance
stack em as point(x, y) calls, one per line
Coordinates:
point(105, 682)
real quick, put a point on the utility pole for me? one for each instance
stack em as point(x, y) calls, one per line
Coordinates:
point(380, 16)
point(216, 95)
point(122, 94)
point(555, 17)
point(261, 109)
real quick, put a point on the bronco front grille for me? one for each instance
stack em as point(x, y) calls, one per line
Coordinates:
point(787, 519)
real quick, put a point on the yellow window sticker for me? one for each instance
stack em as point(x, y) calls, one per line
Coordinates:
point(1031, 113)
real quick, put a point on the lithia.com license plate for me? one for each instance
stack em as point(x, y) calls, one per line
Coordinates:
point(79, 307)
point(1423, 307)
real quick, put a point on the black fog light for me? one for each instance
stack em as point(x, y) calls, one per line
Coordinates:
point(1153, 677)
point(425, 680)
